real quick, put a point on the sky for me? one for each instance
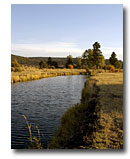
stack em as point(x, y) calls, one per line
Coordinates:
point(39, 30)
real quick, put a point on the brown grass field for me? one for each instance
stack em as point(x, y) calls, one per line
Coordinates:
point(109, 126)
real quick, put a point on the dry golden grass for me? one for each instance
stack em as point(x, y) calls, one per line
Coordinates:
point(109, 127)
point(34, 142)
point(34, 73)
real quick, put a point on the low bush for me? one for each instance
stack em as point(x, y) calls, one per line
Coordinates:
point(42, 64)
point(109, 67)
point(70, 66)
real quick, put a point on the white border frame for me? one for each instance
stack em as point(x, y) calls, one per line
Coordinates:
point(5, 87)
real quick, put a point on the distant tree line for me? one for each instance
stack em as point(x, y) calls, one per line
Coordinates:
point(49, 64)
point(90, 59)
point(94, 59)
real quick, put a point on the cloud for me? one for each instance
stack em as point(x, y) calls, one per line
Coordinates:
point(53, 49)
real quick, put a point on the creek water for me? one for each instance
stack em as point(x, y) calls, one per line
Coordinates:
point(43, 102)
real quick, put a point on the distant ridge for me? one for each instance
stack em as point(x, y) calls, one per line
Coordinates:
point(34, 61)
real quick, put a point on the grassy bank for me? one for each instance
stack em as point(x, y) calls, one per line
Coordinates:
point(109, 126)
point(33, 73)
point(97, 122)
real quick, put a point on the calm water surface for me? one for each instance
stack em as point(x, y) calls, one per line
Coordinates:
point(43, 102)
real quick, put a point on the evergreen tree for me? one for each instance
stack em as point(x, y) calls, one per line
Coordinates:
point(93, 57)
point(49, 62)
point(113, 59)
point(88, 58)
point(78, 61)
point(54, 63)
point(97, 55)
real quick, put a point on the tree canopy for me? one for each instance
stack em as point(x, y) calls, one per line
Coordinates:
point(115, 62)
point(113, 58)
point(69, 61)
point(49, 62)
point(93, 57)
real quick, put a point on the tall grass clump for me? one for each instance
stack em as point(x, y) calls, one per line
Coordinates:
point(70, 132)
point(34, 142)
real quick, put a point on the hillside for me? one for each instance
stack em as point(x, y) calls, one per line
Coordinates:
point(34, 61)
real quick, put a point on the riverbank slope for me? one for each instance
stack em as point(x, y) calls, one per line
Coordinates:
point(97, 122)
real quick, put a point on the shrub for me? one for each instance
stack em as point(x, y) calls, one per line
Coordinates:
point(118, 64)
point(42, 64)
point(55, 64)
point(109, 67)
point(70, 66)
